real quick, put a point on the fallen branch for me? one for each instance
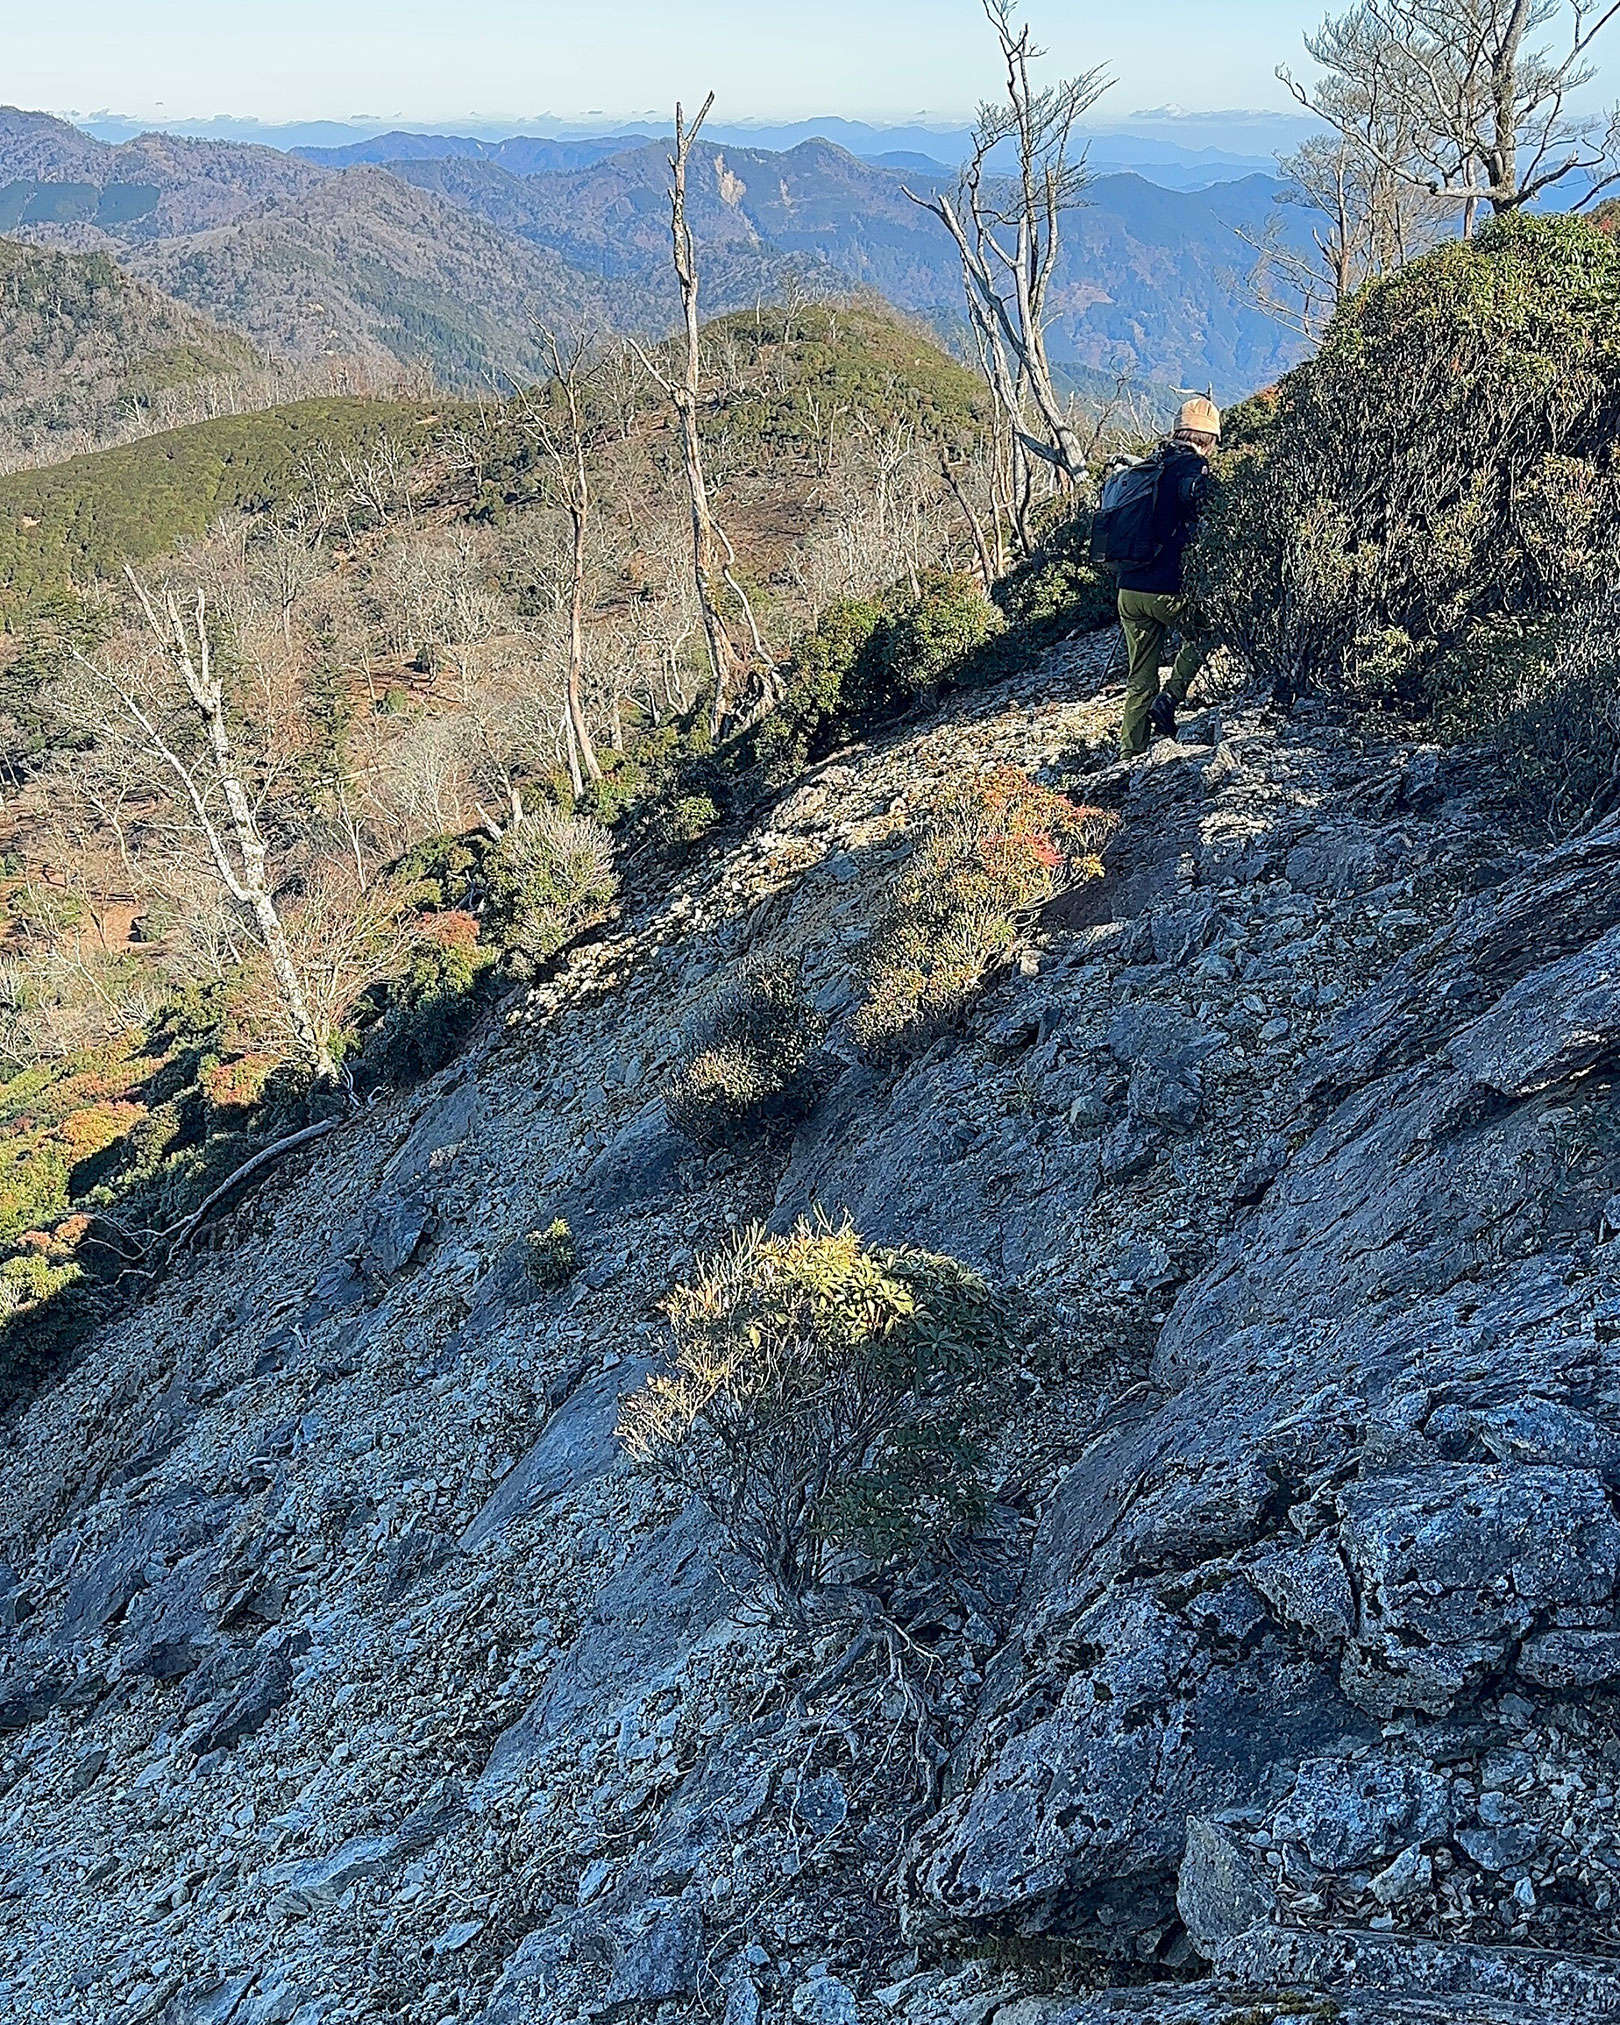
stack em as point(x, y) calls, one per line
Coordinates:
point(183, 1233)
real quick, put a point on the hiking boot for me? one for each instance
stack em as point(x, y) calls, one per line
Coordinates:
point(1162, 716)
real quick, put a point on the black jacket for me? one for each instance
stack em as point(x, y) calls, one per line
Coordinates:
point(1182, 491)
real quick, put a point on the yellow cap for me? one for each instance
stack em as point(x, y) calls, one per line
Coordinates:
point(1199, 417)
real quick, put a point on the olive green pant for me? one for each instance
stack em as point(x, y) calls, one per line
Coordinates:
point(1149, 618)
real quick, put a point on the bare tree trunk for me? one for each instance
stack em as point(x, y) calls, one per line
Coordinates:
point(1009, 246)
point(687, 392)
point(245, 880)
point(571, 750)
point(712, 560)
point(980, 549)
point(579, 512)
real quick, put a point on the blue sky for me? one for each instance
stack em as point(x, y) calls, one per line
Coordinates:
point(508, 59)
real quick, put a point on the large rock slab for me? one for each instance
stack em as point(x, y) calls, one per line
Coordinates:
point(644, 1623)
point(1380, 1479)
point(576, 1446)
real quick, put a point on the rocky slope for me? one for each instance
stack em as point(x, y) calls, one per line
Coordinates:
point(350, 1674)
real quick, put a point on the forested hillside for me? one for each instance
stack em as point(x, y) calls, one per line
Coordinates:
point(51, 174)
point(367, 267)
point(83, 519)
point(89, 356)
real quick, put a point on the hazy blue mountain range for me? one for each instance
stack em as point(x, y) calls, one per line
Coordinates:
point(1151, 276)
point(938, 153)
point(449, 259)
point(522, 154)
point(1181, 150)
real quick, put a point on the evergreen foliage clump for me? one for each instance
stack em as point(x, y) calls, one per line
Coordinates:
point(748, 1069)
point(1446, 469)
point(551, 1255)
point(428, 1010)
point(1058, 589)
point(825, 1396)
point(550, 878)
point(999, 848)
point(867, 658)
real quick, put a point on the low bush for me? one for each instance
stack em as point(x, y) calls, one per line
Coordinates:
point(429, 1010)
point(1444, 468)
point(824, 1396)
point(999, 848)
point(748, 1067)
point(1547, 696)
point(831, 683)
point(866, 659)
point(1059, 589)
point(548, 880)
point(551, 1256)
point(930, 639)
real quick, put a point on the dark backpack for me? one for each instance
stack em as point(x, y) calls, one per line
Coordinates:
point(1122, 531)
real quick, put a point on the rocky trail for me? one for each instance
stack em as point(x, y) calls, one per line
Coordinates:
point(349, 1673)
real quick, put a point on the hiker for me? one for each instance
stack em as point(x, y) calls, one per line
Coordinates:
point(1151, 606)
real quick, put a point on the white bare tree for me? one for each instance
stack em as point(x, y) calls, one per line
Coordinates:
point(1007, 230)
point(209, 782)
point(714, 562)
point(1475, 110)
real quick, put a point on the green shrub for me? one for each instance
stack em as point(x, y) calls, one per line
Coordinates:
point(930, 639)
point(868, 658)
point(622, 783)
point(444, 873)
point(1547, 695)
point(824, 1396)
point(427, 1012)
point(998, 849)
point(551, 1256)
point(27, 1279)
point(1059, 589)
point(1446, 464)
point(832, 682)
point(688, 820)
point(748, 1067)
point(549, 879)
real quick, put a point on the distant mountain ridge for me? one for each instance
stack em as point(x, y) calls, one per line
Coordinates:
point(1159, 161)
point(1150, 277)
point(523, 154)
point(1174, 144)
point(450, 260)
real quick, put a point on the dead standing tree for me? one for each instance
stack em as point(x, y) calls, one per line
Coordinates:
point(713, 560)
point(1007, 232)
point(559, 425)
point(236, 847)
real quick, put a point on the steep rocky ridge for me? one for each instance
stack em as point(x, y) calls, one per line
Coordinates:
point(348, 1673)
